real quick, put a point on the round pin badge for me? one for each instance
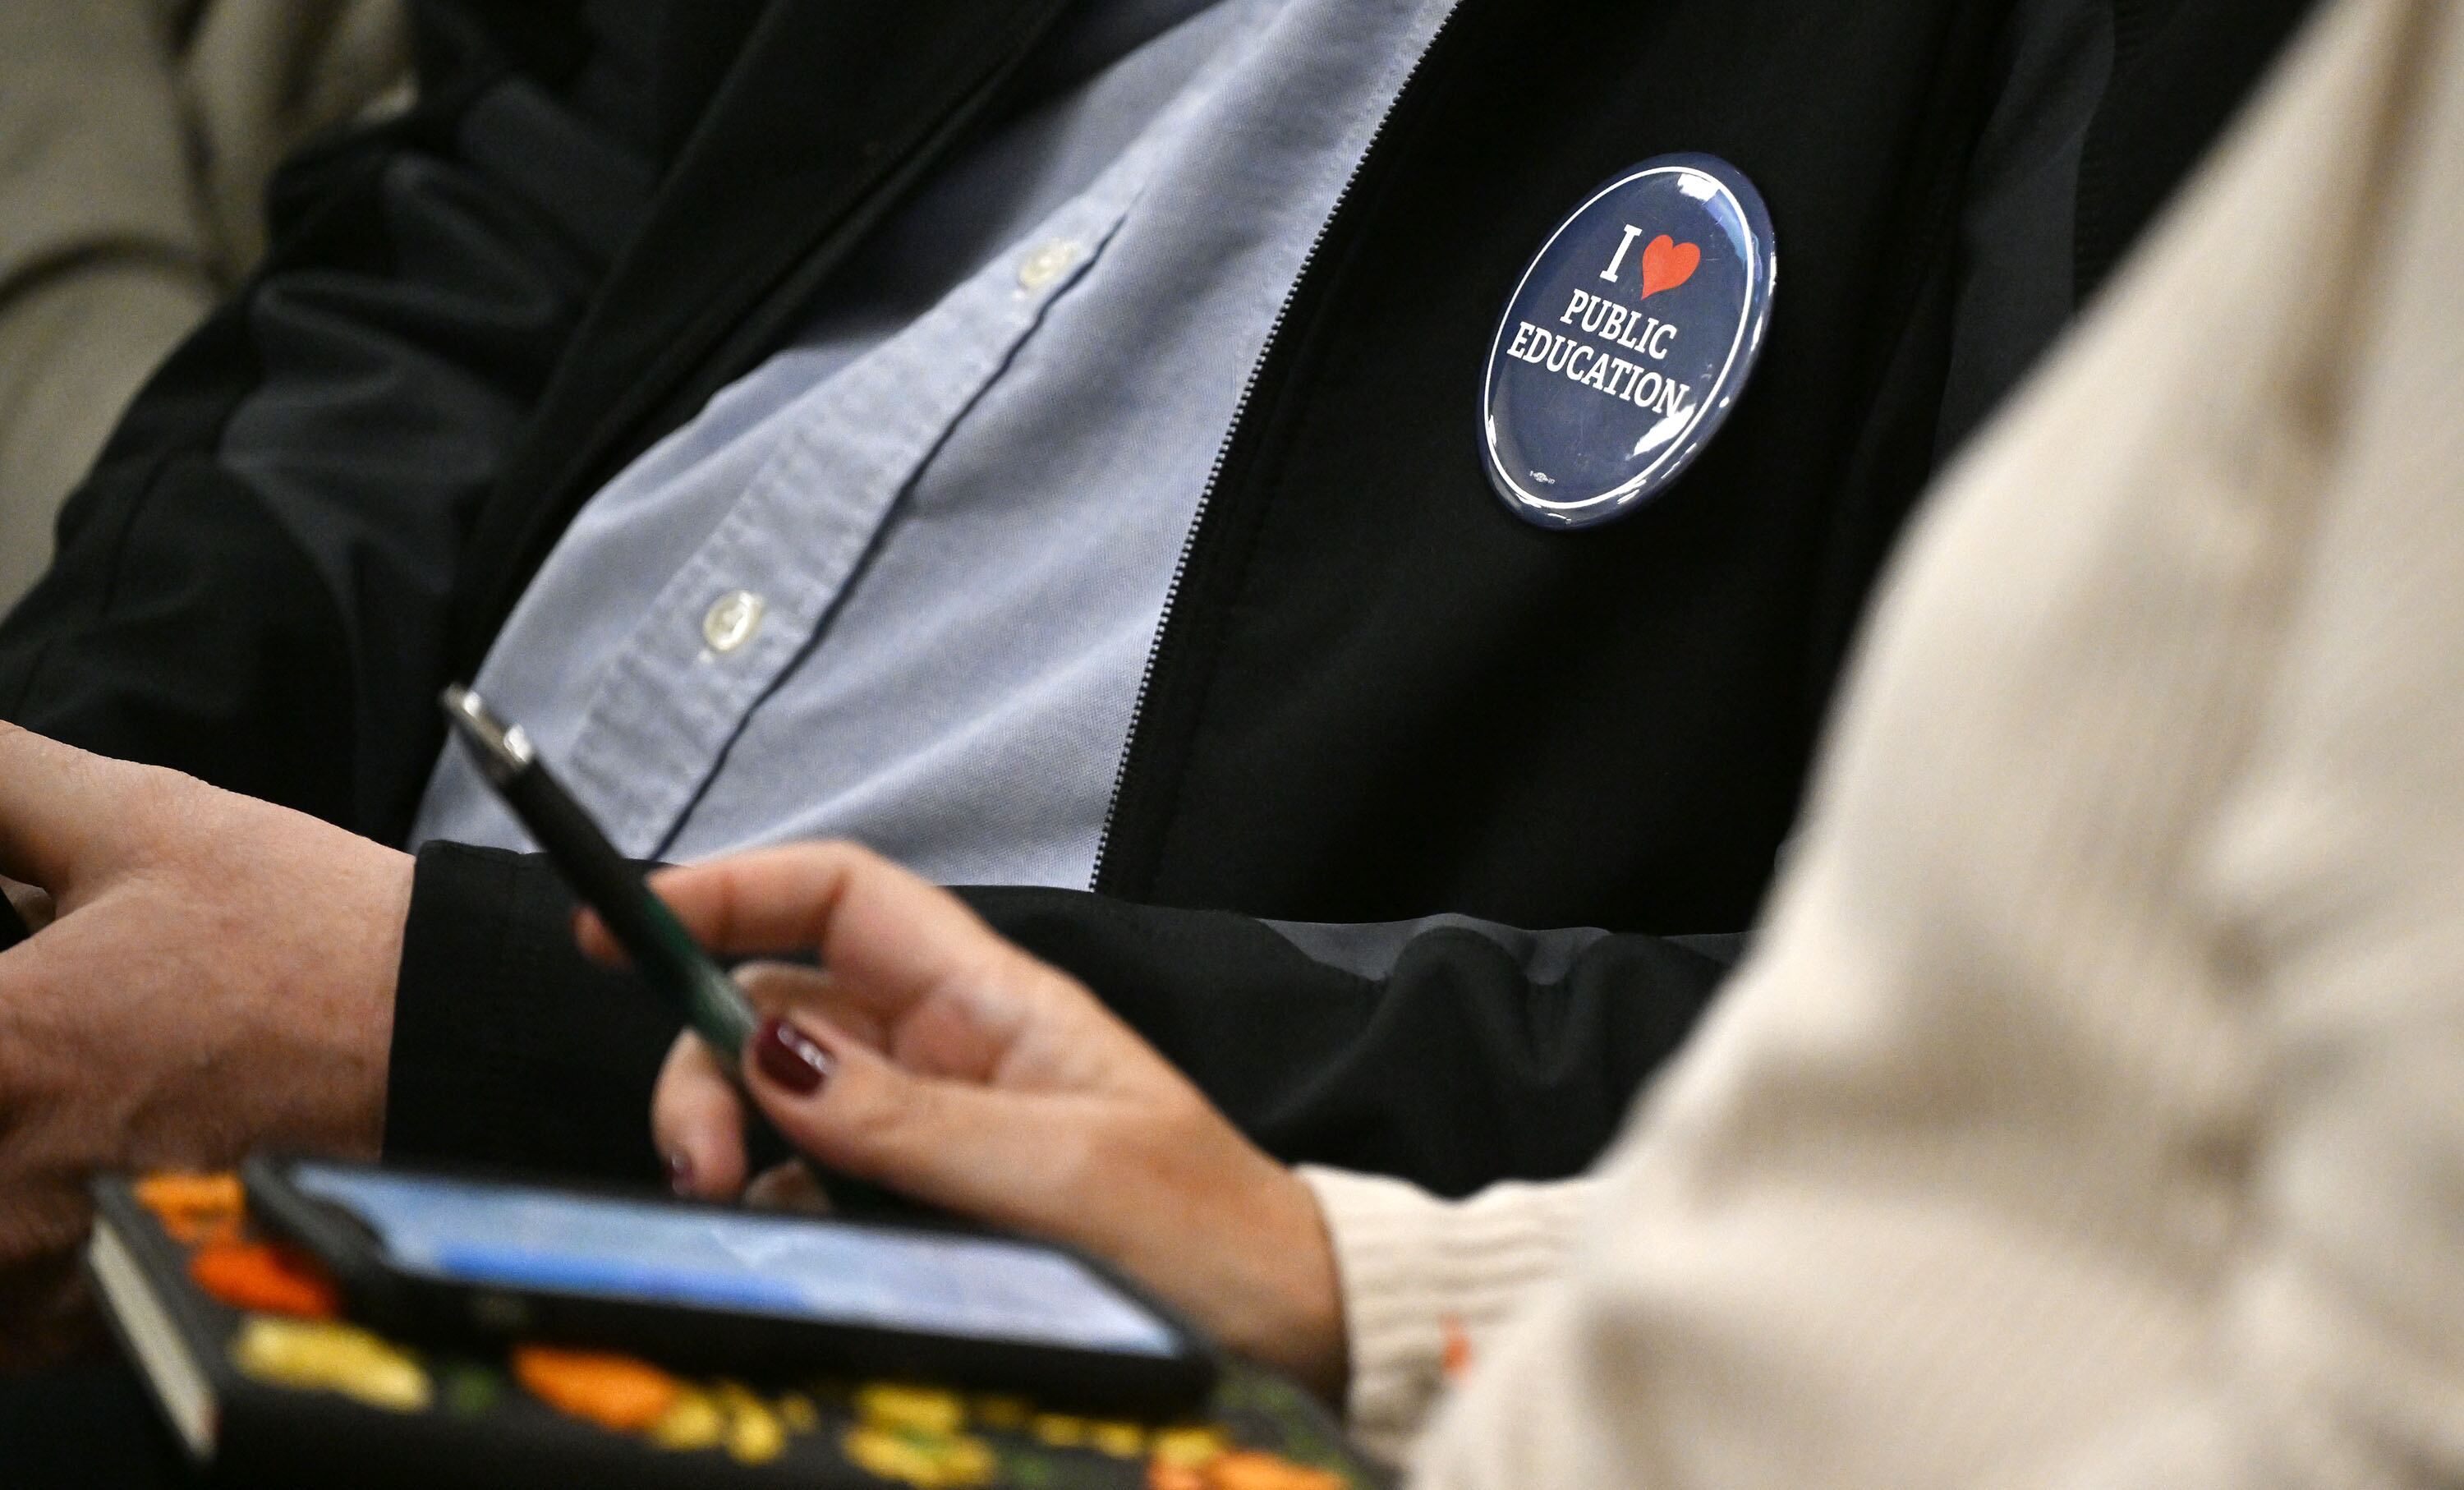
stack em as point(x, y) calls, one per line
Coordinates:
point(1628, 340)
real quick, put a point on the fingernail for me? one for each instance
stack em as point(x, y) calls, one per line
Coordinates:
point(788, 1057)
point(680, 1173)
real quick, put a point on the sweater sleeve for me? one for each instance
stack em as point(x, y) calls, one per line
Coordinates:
point(2336, 871)
point(510, 1048)
point(1427, 1282)
point(1448, 1052)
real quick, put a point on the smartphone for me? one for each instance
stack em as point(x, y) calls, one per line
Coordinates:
point(430, 1256)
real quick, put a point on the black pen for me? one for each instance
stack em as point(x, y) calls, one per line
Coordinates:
point(667, 954)
point(662, 948)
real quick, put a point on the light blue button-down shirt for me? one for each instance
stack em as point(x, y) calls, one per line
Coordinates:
point(900, 582)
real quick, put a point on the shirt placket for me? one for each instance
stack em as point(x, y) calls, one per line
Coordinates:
point(753, 601)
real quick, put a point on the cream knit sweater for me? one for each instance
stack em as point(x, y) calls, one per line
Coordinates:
point(2092, 1113)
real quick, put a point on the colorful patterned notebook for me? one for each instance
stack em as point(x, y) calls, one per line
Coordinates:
point(240, 1340)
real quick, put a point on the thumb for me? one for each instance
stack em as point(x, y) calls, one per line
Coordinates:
point(981, 1152)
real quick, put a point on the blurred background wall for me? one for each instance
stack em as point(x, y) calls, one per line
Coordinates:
point(135, 139)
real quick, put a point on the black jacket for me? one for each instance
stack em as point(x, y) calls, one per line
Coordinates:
point(1377, 695)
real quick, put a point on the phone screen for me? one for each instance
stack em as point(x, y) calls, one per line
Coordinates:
point(796, 1267)
point(13, 926)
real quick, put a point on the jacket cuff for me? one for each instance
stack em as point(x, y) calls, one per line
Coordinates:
point(511, 1050)
point(1427, 1282)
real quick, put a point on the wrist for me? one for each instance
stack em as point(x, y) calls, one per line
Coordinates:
point(1294, 1320)
point(367, 980)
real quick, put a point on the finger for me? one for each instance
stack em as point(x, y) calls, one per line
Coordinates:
point(792, 1186)
point(55, 802)
point(779, 987)
point(33, 905)
point(891, 937)
point(697, 1121)
point(998, 1157)
point(596, 943)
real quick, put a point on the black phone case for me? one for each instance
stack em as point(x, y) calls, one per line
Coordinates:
point(726, 1343)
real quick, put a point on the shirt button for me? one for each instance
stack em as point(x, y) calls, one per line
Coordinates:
point(733, 621)
point(1047, 264)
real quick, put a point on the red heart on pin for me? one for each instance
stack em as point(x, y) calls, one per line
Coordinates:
point(1667, 264)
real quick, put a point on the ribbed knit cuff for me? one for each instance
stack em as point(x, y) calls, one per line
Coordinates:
point(1426, 1280)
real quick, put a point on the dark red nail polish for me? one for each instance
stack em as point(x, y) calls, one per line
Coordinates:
point(680, 1173)
point(788, 1057)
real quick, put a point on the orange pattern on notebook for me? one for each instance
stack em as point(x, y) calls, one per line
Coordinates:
point(266, 1279)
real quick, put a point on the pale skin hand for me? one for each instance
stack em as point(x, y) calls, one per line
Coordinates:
point(217, 975)
point(967, 1075)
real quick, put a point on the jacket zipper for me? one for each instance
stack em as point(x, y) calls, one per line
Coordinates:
point(1240, 420)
